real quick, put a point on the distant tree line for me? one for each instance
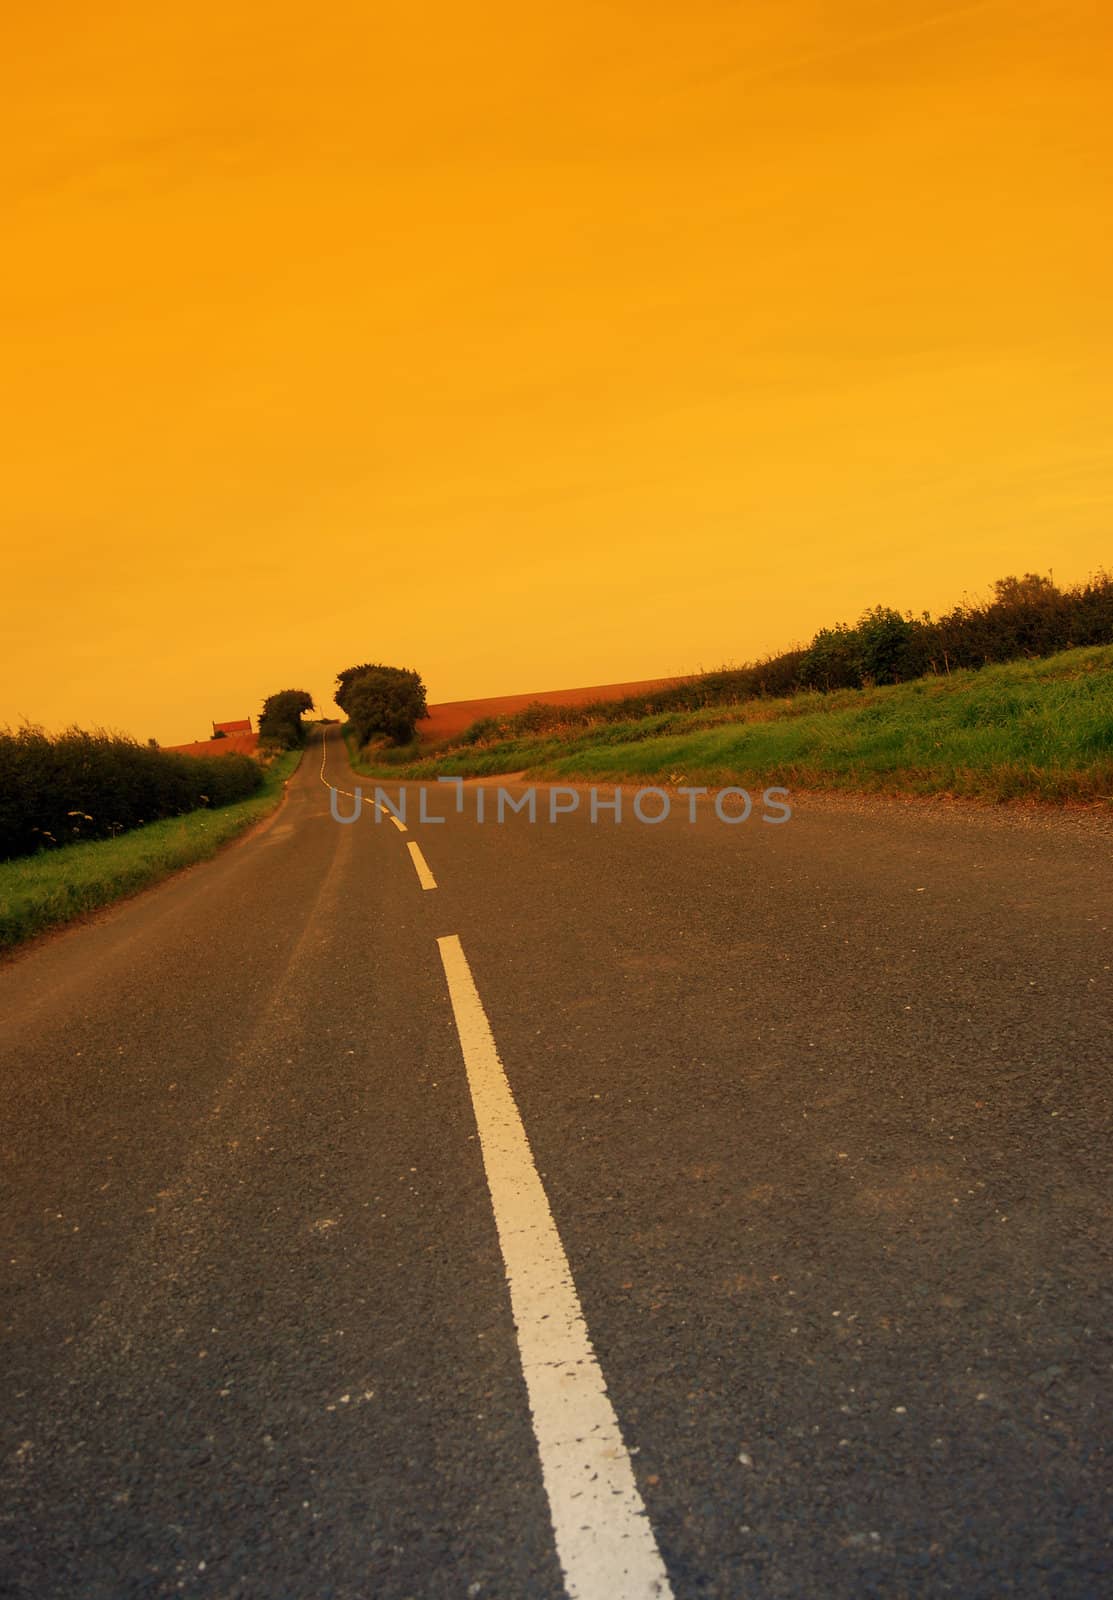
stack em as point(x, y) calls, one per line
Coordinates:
point(1025, 616)
point(76, 785)
point(381, 702)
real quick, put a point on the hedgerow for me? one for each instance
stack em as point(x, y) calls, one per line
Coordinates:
point(55, 790)
point(1026, 618)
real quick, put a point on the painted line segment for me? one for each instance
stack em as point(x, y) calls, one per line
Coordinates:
point(604, 1541)
point(424, 876)
point(324, 753)
point(387, 812)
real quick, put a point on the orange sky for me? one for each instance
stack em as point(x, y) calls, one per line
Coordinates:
point(533, 346)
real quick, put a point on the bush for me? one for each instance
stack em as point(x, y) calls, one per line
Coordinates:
point(483, 731)
point(78, 785)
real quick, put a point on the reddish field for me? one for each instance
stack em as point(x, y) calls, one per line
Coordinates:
point(245, 743)
point(453, 716)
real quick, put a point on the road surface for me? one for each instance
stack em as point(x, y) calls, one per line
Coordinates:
point(687, 1209)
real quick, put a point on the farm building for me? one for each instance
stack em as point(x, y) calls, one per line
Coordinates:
point(243, 726)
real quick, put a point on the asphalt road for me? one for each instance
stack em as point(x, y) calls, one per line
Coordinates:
point(816, 1175)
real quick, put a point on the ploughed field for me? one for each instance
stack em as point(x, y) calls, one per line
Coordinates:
point(244, 744)
point(451, 717)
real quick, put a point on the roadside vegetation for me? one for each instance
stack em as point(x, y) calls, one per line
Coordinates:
point(1003, 697)
point(55, 886)
point(1036, 729)
point(280, 721)
point(381, 702)
point(75, 786)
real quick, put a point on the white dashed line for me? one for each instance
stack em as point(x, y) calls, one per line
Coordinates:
point(387, 812)
point(604, 1541)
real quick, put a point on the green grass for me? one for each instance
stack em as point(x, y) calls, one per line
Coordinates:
point(1026, 730)
point(57, 886)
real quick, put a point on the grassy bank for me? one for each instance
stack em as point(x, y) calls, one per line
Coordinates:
point(56, 886)
point(1038, 730)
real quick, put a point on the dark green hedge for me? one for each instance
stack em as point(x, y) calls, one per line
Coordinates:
point(55, 790)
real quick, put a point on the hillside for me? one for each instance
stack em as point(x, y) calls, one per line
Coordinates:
point(451, 717)
point(1040, 729)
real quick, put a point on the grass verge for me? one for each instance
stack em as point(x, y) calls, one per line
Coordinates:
point(57, 886)
point(1026, 730)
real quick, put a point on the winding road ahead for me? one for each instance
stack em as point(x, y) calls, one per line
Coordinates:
point(511, 1210)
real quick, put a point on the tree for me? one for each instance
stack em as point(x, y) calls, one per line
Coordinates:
point(884, 645)
point(280, 719)
point(345, 679)
point(383, 701)
point(1029, 616)
point(831, 660)
point(1033, 590)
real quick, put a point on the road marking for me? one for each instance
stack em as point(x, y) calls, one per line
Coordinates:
point(425, 877)
point(387, 812)
point(398, 823)
point(401, 826)
point(324, 780)
point(604, 1542)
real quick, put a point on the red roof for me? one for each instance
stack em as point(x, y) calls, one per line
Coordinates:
point(244, 726)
